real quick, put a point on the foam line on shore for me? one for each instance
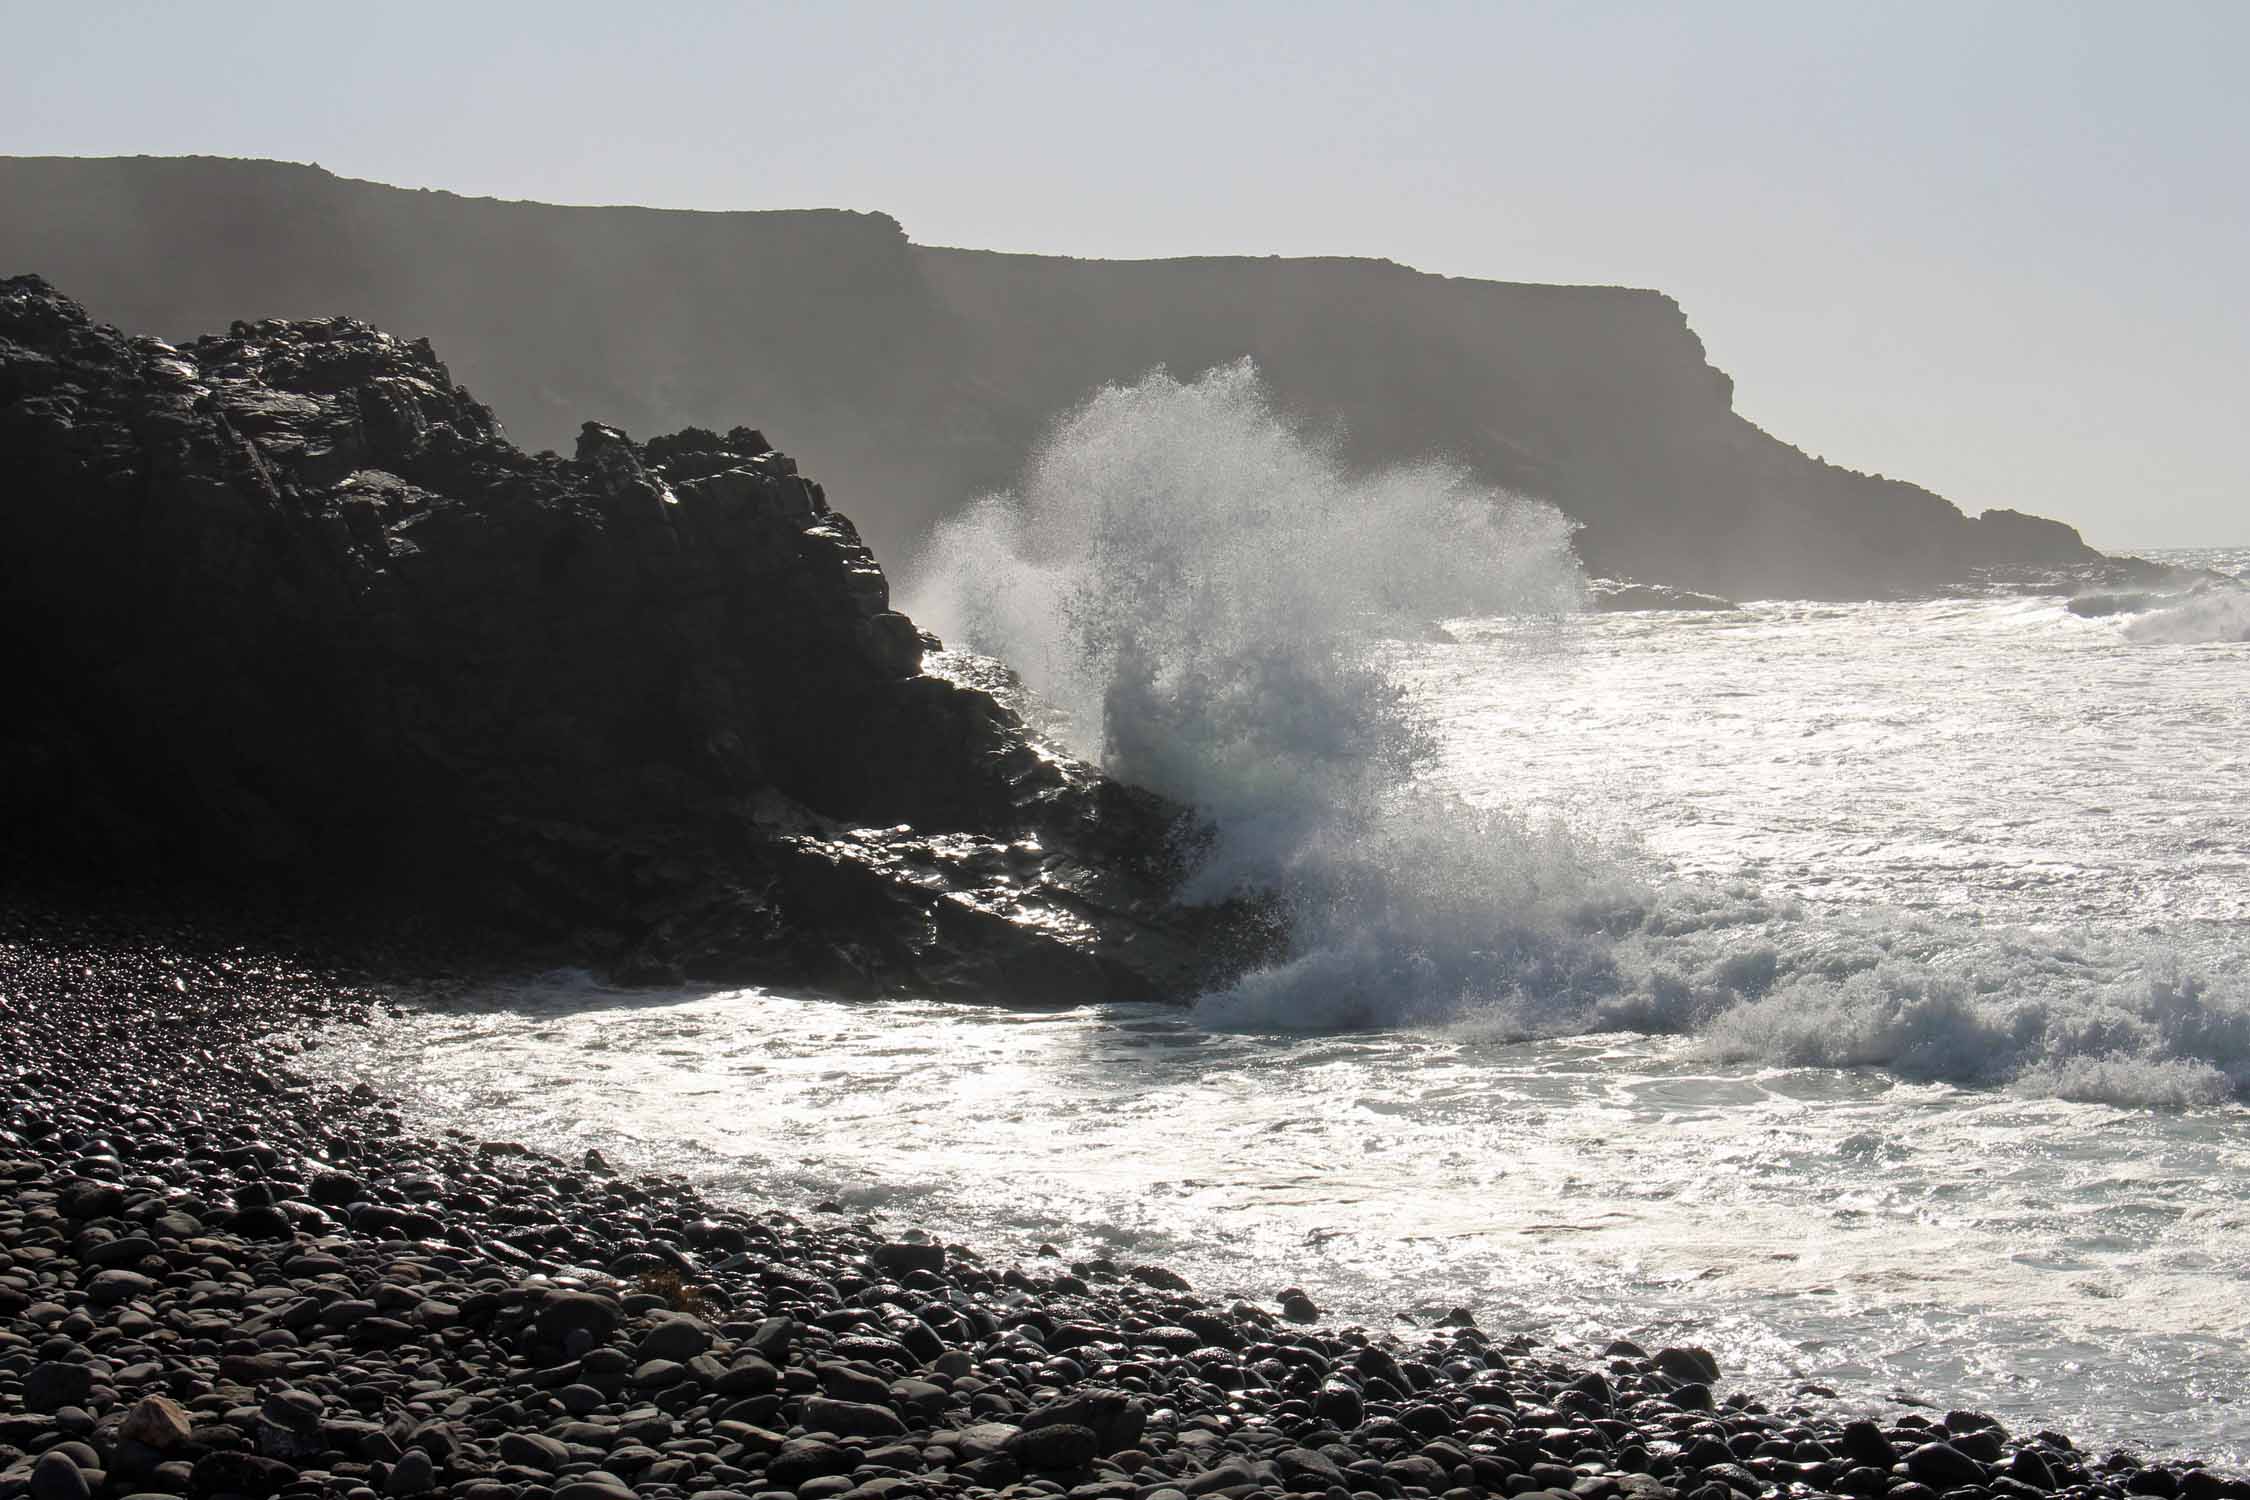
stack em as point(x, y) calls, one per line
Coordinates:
point(224, 1275)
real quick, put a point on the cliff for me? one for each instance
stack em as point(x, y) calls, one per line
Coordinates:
point(915, 377)
point(294, 624)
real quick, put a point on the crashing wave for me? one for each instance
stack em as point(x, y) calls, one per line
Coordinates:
point(2213, 615)
point(1204, 591)
point(2212, 611)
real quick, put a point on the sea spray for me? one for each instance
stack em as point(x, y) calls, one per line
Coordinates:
point(1214, 605)
point(1201, 587)
point(2217, 615)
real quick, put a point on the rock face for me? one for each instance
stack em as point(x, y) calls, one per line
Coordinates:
point(916, 378)
point(294, 618)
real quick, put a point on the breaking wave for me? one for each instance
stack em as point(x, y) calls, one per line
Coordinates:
point(2213, 615)
point(1208, 595)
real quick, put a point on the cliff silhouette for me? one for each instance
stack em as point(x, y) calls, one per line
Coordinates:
point(914, 377)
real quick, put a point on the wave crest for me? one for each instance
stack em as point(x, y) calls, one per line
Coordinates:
point(2216, 615)
point(1208, 596)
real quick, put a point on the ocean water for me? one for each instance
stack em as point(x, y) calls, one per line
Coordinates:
point(1857, 989)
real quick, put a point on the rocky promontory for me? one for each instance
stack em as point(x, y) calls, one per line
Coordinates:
point(299, 630)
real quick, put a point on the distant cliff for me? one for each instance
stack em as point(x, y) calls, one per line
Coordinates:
point(290, 622)
point(914, 378)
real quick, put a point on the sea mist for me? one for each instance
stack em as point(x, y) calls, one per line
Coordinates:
point(1205, 591)
point(1211, 602)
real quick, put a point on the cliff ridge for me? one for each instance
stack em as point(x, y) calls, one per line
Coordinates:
point(915, 378)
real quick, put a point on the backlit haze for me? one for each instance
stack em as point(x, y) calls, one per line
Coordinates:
point(1993, 249)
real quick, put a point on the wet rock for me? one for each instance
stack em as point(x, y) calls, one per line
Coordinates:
point(748, 1376)
point(678, 1339)
point(1863, 1442)
point(290, 1426)
point(984, 1439)
point(771, 1339)
point(336, 1189)
point(1061, 1445)
point(658, 1374)
point(852, 1418)
point(234, 1472)
point(596, 1485)
point(157, 1423)
point(1340, 1404)
point(1687, 1364)
point(1943, 1467)
point(1237, 1473)
point(53, 1384)
point(121, 1253)
point(56, 1477)
point(569, 1321)
point(414, 1474)
point(2029, 1466)
point(533, 1451)
point(845, 1383)
point(1116, 1418)
point(901, 1256)
point(1299, 1464)
point(802, 1459)
point(1160, 1277)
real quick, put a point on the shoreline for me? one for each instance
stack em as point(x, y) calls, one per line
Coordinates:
point(222, 1276)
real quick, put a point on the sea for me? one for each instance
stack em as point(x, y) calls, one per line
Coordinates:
point(1860, 990)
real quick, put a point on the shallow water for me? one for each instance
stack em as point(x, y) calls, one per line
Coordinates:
point(1998, 758)
point(2057, 1263)
point(1948, 770)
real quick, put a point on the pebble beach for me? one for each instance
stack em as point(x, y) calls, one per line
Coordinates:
point(222, 1275)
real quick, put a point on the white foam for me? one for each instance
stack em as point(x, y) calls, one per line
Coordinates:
point(1200, 586)
point(2219, 614)
point(1211, 597)
point(2119, 1078)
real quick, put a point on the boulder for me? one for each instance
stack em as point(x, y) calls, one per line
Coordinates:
point(1059, 1445)
point(157, 1423)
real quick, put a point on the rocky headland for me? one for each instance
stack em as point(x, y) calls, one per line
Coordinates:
point(914, 378)
point(298, 630)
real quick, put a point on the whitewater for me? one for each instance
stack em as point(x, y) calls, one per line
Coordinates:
point(1860, 989)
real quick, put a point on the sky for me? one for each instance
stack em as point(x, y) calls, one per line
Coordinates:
point(1994, 248)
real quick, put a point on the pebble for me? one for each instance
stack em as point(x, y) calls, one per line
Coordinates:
point(384, 1346)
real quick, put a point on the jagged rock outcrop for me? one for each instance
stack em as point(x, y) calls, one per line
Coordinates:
point(915, 378)
point(289, 615)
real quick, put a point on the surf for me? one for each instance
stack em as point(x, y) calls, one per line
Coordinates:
point(1214, 604)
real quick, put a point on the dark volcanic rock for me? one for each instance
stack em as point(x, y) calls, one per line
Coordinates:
point(1061, 1445)
point(1943, 1467)
point(52, 1385)
point(295, 618)
point(1864, 1442)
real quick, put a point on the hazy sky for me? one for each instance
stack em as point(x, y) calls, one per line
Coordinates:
point(1997, 249)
